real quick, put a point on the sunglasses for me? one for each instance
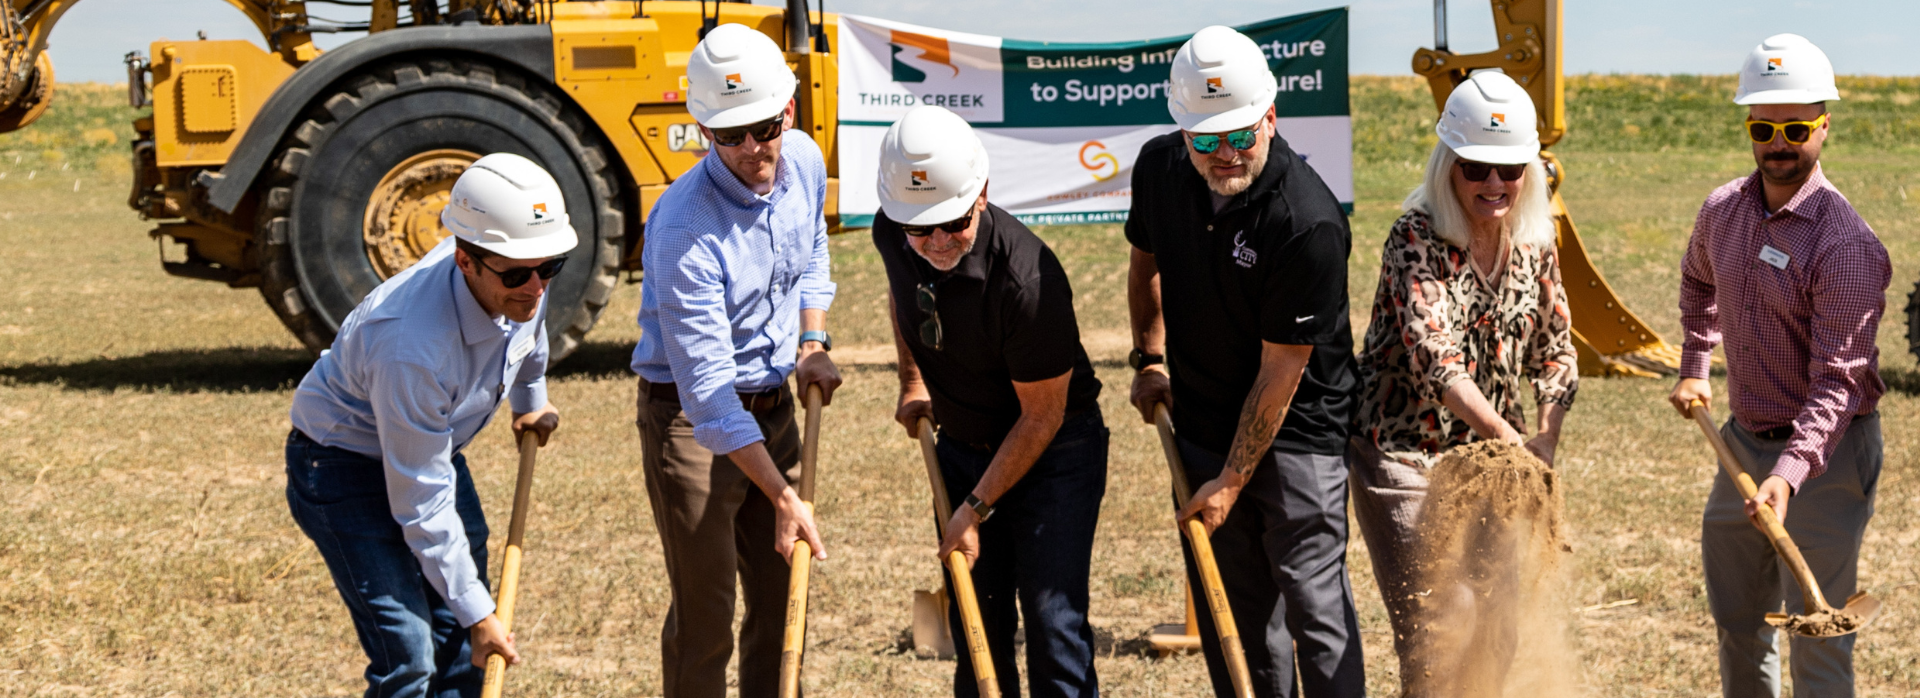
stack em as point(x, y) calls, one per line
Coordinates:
point(1242, 139)
point(1478, 171)
point(952, 227)
point(761, 132)
point(1796, 132)
point(923, 297)
point(519, 276)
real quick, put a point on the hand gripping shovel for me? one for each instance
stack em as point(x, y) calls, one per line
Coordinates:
point(983, 672)
point(510, 569)
point(1216, 590)
point(1821, 620)
point(795, 642)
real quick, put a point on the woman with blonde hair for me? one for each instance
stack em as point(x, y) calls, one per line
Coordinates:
point(1468, 309)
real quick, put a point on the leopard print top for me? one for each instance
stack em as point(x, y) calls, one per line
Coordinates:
point(1437, 321)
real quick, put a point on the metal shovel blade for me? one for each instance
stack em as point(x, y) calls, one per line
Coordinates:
point(1861, 610)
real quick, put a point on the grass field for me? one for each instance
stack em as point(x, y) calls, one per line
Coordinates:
point(145, 547)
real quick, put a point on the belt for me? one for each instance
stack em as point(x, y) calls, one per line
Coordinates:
point(1775, 434)
point(757, 404)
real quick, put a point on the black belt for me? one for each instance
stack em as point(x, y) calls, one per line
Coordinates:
point(1774, 434)
point(756, 404)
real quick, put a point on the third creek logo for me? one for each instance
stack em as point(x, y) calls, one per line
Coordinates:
point(539, 211)
point(1213, 86)
point(917, 180)
point(1774, 64)
point(1499, 121)
point(733, 82)
point(933, 50)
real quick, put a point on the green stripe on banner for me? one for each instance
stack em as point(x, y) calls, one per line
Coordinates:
point(1125, 83)
point(865, 220)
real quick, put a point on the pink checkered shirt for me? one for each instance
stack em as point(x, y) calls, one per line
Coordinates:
point(1799, 339)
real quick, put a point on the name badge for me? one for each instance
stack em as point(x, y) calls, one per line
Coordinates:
point(1774, 257)
point(520, 351)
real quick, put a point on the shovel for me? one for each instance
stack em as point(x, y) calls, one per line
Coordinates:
point(983, 672)
point(1216, 590)
point(496, 678)
point(1821, 620)
point(795, 642)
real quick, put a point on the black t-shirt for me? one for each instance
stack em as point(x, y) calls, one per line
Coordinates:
point(1006, 314)
point(1270, 266)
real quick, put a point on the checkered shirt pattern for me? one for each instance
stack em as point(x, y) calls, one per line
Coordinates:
point(1799, 339)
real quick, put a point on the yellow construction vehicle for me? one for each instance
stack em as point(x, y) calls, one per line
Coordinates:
point(1612, 340)
point(312, 176)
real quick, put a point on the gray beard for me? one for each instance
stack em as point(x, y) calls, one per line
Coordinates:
point(956, 258)
point(1230, 186)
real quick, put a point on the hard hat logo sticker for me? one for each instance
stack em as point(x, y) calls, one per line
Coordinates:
point(1213, 85)
point(917, 181)
point(1774, 64)
point(539, 211)
point(734, 84)
point(1499, 121)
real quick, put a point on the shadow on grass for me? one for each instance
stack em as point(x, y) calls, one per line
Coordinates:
point(1903, 380)
point(229, 370)
point(594, 360)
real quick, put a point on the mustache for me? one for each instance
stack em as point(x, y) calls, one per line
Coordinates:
point(1784, 155)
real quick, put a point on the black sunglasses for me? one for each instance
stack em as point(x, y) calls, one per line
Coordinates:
point(1478, 171)
point(519, 276)
point(952, 227)
point(761, 132)
point(923, 297)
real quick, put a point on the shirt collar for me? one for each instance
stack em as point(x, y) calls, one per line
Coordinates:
point(736, 191)
point(1802, 199)
point(475, 325)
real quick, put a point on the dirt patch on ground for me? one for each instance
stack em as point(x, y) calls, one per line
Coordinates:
point(1492, 547)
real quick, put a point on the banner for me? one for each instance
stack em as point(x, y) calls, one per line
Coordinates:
point(1063, 122)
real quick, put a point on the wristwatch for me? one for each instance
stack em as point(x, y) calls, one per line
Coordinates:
point(983, 509)
point(821, 336)
point(1140, 360)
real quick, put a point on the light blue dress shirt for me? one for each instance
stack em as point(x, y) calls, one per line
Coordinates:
point(727, 274)
point(415, 372)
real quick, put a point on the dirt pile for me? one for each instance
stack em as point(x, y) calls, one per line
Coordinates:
point(1492, 544)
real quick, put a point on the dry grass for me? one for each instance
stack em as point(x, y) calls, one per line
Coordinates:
point(145, 547)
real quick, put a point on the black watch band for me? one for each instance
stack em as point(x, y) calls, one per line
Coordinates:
point(983, 509)
point(1140, 360)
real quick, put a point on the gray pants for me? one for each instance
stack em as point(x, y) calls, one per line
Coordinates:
point(1283, 557)
point(1387, 496)
point(1745, 578)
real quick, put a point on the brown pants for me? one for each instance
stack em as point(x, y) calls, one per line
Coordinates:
point(714, 523)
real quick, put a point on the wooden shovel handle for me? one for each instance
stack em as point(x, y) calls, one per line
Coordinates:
point(1213, 586)
point(984, 673)
point(1776, 532)
point(794, 641)
point(496, 676)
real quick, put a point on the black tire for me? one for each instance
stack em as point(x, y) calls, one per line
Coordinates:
point(1913, 320)
point(314, 264)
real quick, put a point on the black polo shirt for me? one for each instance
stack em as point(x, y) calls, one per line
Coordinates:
point(1270, 266)
point(1006, 314)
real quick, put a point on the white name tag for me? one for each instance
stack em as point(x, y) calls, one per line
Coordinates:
point(1774, 257)
point(520, 351)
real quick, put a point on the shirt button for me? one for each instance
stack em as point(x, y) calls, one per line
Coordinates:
point(1209, 227)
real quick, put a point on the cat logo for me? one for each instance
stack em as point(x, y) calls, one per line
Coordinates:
point(1774, 64)
point(539, 211)
point(686, 138)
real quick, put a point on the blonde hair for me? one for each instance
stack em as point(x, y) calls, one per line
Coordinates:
point(1529, 222)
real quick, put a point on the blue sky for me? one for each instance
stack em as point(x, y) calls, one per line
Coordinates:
point(1603, 36)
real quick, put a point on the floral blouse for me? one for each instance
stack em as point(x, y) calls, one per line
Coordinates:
point(1437, 321)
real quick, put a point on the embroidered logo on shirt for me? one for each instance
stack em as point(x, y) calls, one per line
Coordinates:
point(1241, 254)
point(1302, 319)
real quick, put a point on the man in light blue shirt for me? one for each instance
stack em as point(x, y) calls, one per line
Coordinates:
point(374, 471)
point(735, 298)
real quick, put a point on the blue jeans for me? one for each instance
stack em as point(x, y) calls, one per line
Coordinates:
point(414, 646)
point(1035, 549)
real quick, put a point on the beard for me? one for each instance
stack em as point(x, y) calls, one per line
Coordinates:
point(952, 262)
point(1255, 161)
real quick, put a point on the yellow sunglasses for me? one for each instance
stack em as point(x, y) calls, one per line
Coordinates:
point(1796, 132)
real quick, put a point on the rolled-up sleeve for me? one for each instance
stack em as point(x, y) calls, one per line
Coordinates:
point(816, 283)
point(1849, 295)
point(1552, 364)
point(416, 443)
point(697, 334)
point(529, 390)
point(1699, 308)
point(1422, 303)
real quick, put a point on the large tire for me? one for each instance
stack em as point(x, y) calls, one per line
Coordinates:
point(315, 264)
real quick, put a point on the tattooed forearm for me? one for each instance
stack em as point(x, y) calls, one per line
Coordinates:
point(1257, 425)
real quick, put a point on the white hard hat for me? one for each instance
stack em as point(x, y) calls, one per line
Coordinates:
point(737, 76)
point(1489, 118)
point(508, 205)
point(1786, 69)
point(932, 167)
point(1220, 82)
